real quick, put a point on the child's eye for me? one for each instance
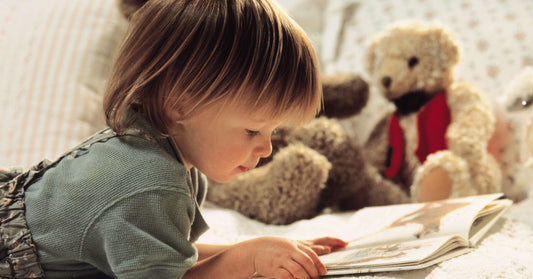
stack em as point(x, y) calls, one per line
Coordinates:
point(252, 133)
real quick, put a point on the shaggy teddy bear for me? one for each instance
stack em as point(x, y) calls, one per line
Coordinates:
point(518, 153)
point(312, 167)
point(518, 102)
point(434, 143)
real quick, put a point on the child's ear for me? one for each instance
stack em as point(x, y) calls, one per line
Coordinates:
point(175, 115)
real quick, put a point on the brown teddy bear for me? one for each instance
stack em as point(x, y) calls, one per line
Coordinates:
point(434, 143)
point(312, 167)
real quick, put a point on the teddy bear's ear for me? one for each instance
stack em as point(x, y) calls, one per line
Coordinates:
point(129, 7)
point(370, 57)
point(448, 46)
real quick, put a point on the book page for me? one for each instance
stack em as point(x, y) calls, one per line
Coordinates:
point(409, 222)
point(394, 256)
point(486, 219)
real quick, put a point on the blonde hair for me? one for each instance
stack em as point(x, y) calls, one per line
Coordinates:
point(181, 56)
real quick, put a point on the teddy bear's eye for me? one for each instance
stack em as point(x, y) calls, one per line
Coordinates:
point(522, 102)
point(413, 61)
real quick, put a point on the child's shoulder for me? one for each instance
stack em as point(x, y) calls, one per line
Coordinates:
point(138, 156)
point(123, 159)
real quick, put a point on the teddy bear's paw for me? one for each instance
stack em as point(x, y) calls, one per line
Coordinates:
point(298, 170)
point(485, 171)
point(297, 175)
point(435, 185)
point(443, 175)
point(243, 193)
point(283, 191)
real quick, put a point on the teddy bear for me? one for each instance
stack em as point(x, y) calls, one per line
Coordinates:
point(314, 167)
point(434, 143)
point(517, 108)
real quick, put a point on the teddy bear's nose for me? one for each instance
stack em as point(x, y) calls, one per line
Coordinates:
point(386, 81)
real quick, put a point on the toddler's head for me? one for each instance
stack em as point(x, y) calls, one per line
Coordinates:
point(178, 57)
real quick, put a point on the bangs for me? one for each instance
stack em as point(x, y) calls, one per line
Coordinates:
point(294, 108)
point(273, 67)
point(260, 56)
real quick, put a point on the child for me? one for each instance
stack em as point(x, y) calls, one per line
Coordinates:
point(198, 86)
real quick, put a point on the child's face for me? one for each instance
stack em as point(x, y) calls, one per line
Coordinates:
point(222, 143)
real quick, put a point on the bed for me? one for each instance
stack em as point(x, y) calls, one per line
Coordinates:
point(55, 56)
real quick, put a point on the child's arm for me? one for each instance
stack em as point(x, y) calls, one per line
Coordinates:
point(207, 250)
point(264, 256)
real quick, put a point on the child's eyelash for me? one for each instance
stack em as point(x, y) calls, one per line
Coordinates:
point(252, 133)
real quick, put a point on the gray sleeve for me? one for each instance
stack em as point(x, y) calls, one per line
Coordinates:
point(145, 233)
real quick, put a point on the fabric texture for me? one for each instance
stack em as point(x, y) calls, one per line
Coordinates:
point(432, 122)
point(121, 205)
point(396, 147)
point(55, 58)
point(18, 256)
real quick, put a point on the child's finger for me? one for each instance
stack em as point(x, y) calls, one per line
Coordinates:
point(320, 249)
point(317, 265)
point(332, 242)
point(299, 270)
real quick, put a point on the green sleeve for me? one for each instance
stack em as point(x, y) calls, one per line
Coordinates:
point(143, 235)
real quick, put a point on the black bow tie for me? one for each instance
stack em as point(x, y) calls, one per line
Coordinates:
point(411, 102)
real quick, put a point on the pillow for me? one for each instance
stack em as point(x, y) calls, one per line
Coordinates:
point(56, 55)
point(309, 16)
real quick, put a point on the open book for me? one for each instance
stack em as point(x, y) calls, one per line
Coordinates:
point(413, 236)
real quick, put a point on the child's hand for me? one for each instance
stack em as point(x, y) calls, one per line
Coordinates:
point(271, 257)
point(324, 245)
point(283, 258)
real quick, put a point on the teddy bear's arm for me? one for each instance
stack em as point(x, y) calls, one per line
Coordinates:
point(472, 122)
point(376, 146)
point(345, 95)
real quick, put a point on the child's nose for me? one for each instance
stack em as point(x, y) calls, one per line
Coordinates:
point(264, 149)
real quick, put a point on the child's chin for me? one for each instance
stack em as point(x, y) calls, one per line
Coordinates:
point(224, 179)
